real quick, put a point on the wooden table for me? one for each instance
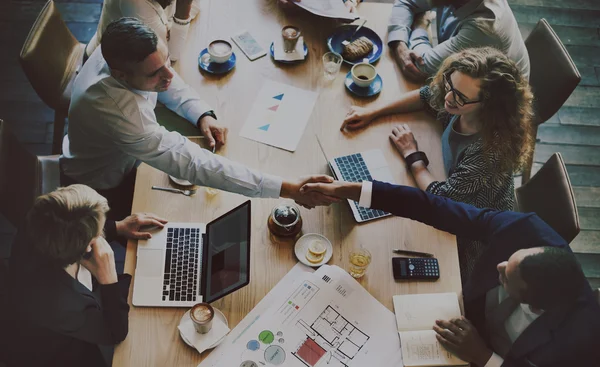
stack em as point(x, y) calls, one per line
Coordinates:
point(153, 338)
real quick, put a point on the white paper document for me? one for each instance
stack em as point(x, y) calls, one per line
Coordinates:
point(279, 115)
point(322, 319)
point(419, 311)
point(415, 316)
point(328, 8)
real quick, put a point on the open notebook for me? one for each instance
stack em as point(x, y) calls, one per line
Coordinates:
point(415, 317)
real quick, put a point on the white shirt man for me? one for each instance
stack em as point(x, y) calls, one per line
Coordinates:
point(112, 125)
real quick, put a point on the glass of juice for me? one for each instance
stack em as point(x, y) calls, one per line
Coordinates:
point(359, 262)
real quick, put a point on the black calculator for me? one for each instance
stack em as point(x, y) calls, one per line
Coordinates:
point(407, 268)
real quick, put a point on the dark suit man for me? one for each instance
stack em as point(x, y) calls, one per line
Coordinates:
point(528, 301)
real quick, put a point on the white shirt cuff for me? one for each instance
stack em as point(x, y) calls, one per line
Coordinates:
point(366, 193)
point(494, 361)
point(271, 186)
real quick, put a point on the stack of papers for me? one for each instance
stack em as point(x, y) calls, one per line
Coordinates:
point(328, 8)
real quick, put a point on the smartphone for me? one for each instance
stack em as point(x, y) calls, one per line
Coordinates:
point(408, 268)
point(248, 44)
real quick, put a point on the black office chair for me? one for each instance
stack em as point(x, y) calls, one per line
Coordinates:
point(549, 194)
point(553, 76)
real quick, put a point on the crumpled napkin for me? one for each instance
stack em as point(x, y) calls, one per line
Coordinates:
point(281, 55)
point(202, 341)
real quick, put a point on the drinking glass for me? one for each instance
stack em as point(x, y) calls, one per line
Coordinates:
point(359, 262)
point(331, 64)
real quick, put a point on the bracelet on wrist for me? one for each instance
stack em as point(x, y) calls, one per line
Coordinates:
point(415, 157)
point(182, 21)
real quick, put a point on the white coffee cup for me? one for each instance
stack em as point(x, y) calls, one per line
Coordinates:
point(363, 74)
point(220, 51)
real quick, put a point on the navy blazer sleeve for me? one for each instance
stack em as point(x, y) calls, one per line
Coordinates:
point(442, 213)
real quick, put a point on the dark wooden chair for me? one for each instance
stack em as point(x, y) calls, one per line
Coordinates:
point(549, 194)
point(51, 57)
point(553, 76)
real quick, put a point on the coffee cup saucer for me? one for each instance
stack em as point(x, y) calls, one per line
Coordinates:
point(369, 91)
point(215, 68)
point(272, 51)
point(218, 314)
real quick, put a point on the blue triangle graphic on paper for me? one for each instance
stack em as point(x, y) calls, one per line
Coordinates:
point(265, 127)
point(279, 97)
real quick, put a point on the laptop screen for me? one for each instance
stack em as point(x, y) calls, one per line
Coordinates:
point(226, 254)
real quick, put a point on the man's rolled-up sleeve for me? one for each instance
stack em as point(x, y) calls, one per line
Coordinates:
point(399, 26)
point(470, 35)
point(184, 100)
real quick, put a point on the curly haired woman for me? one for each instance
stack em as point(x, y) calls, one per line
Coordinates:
point(485, 105)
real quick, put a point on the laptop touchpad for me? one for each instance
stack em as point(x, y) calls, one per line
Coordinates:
point(153, 263)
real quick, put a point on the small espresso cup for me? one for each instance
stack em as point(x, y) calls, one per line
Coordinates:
point(202, 315)
point(220, 51)
point(363, 74)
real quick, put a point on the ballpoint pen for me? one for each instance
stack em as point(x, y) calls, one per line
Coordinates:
point(413, 253)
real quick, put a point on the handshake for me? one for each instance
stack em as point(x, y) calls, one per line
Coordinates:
point(320, 190)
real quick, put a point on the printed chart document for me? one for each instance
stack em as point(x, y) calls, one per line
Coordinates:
point(322, 319)
point(328, 8)
point(415, 317)
point(279, 115)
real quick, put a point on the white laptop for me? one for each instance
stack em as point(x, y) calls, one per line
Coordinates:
point(364, 166)
point(187, 263)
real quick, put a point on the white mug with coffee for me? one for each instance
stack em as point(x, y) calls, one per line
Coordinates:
point(363, 74)
point(220, 51)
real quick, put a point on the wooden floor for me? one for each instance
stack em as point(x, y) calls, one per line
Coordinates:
point(574, 131)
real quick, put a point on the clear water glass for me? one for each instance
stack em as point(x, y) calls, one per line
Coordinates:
point(331, 64)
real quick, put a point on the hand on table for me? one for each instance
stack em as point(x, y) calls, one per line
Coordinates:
point(357, 117)
point(351, 5)
point(407, 59)
point(423, 20)
point(461, 338)
point(404, 140)
point(308, 199)
point(131, 227)
point(212, 131)
point(101, 263)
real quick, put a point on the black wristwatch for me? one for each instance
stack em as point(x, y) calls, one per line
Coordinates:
point(416, 156)
point(210, 113)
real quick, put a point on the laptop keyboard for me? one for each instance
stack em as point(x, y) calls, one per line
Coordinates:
point(354, 169)
point(180, 279)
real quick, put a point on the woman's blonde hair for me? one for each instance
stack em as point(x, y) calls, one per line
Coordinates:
point(506, 111)
point(62, 223)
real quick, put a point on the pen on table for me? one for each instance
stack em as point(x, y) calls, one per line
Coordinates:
point(413, 253)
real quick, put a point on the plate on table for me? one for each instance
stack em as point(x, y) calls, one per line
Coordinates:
point(343, 33)
point(272, 50)
point(218, 313)
point(180, 181)
point(369, 91)
point(215, 68)
point(301, 249)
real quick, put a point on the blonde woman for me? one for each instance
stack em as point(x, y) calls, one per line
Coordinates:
point(67, 295)
point(485, 105)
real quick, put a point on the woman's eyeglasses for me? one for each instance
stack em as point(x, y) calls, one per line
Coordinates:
point(459, 98)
